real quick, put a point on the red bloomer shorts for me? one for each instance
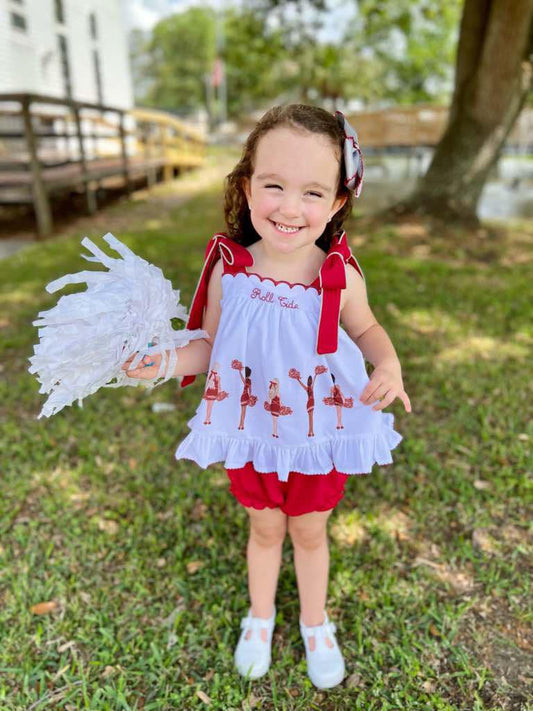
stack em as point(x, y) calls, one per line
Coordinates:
point(301, 494)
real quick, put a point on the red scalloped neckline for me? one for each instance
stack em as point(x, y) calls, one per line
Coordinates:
point(281, 281)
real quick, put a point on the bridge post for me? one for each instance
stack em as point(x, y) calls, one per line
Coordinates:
point(124, 150)
point(89, 192)
point(41, 203)
point(168, 172)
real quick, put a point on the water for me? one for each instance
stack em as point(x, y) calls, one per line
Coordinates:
point(508, 195)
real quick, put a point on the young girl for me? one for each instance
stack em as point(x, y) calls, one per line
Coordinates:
point(270, 295)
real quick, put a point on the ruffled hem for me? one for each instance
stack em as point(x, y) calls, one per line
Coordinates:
point(349, 454)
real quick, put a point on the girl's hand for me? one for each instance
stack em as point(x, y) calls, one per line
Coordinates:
point(147, 369)
point(385, 385)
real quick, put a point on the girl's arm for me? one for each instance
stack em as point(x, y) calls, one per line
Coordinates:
point(361, 325)
point(193, 358)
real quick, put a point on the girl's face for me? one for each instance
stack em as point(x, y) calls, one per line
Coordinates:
point(292, 191)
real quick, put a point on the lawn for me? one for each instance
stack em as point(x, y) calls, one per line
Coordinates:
point(142, 558)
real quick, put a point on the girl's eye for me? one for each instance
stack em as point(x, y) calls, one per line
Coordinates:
point(310, 192)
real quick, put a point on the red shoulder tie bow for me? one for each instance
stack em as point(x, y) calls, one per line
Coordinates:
point(235, 257)
point(332, 279)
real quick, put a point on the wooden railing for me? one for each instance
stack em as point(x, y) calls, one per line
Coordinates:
point(161, 134)
point(422, 125)
point(50, 145)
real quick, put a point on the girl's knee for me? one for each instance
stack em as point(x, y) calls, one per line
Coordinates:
point(309, 530)
point(268, 527)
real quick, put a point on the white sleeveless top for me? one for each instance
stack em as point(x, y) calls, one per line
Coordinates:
point(268, 376)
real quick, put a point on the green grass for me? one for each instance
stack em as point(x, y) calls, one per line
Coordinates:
point(145, 556)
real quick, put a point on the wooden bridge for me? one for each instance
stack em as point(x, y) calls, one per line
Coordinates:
point(422, 126)
point(51, 146)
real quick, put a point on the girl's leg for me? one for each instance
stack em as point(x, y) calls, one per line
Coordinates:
point(208, 415)
point(311, 433)
point(241, 423)
point(268, 528)
point(275, 426)
point(339, 417)
point(311, 561)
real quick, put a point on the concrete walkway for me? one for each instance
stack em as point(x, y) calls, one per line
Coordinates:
point(13, 244)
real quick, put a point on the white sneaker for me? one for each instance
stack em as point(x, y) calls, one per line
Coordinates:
point(325, 665)
point(252, 656)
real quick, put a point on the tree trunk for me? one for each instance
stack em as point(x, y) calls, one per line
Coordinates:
point(493, 77)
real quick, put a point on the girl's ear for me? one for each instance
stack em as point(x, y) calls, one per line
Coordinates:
point(339, 202)
point(246, 188)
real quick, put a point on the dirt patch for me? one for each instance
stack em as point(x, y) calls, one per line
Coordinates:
point(492, 635)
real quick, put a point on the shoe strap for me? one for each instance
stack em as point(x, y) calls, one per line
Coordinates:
point(326, 629)
point(256, 623)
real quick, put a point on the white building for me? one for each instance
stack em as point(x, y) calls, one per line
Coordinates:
point(66, 48)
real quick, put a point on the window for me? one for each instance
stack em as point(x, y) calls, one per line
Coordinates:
point(19, 21)
point(65, 68)
point(92, 26)
point(60, 13)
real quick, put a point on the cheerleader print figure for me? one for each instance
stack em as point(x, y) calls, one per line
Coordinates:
point(212, 391)
point(293, 373)
point(274, 405)
point(337, 398)
point(247, 399)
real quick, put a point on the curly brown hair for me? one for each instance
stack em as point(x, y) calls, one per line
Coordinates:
point(298, 116)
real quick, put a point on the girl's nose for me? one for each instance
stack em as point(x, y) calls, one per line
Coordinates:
point(290, 206)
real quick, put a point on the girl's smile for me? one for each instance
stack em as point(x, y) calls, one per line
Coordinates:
point(285, 229)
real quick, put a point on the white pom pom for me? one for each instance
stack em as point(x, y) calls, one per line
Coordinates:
point(85, 339)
